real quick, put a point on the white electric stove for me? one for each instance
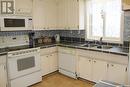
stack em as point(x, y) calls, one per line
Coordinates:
point(24, 67)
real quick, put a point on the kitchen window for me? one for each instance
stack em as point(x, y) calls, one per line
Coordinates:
point(104, 19)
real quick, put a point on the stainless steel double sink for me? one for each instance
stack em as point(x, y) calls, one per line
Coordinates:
point(97, 46)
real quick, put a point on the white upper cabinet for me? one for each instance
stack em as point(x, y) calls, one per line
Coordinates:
point(71, 14)
point(23, 7)
point(126, 4)
point(62, 14)
point(58, 14)
point(45, 14)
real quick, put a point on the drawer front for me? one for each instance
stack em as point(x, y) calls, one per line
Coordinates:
point(3, 59)
point(48, 50)
point(104, 56)
point(67, 50)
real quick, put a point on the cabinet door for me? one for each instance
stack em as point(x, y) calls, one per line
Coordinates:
point(51, 12)
point(62, 14)
point(3, 76)
point(72, 14)
point(53, 62)
point(68, 14)
point(67, 62)
point(117, 73)
point(23, 7)
point(85, 68)
point(39, 14)
point(45, 64)
point(45, 14)
point(99, 70)
point(126, 4)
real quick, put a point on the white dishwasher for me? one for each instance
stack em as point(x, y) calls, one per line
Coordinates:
point(67, 61)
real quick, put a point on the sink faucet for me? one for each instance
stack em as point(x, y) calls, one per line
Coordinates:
point(100, 41)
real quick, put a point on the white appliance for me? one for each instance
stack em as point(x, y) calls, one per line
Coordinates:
point(11, 23)
point(67, 62)
point(57, 38)
point(129, 69)
point(24, 67)
point(13, 41)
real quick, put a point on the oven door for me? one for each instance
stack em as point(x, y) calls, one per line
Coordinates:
point(23, 65)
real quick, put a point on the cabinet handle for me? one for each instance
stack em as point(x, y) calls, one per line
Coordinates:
point(78, 26)
point(107, 65)
point(126, 69)
point(4, 68)
point(94, 61)
point(112, 65)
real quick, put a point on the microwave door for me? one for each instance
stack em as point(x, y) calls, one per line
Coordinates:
point(14, 22)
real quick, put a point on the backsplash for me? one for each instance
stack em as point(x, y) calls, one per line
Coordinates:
point(72, 33)
point(14, 33)
point(50, 33)
point(62, 33)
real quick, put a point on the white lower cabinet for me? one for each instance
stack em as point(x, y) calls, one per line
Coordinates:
point(85, 68)
point(53, 62)
point(117, 73)
point(3, 72)
point(96, 67)
point(89, 65)
point(49, 60)
point(49, 63)
point(45, 64)
point(3, 76)
point(99, 70)
point(93, 70)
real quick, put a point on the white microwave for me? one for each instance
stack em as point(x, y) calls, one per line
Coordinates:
point(15, 23)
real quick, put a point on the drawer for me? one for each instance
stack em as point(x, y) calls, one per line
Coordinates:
point(66, 50)
point(83, 52)
point(3, 59)
point(104, 56)
point(48, 50)
point(118, 59)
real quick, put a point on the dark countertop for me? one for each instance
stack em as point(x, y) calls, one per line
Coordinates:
point(114, 50)
point(3, 51)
